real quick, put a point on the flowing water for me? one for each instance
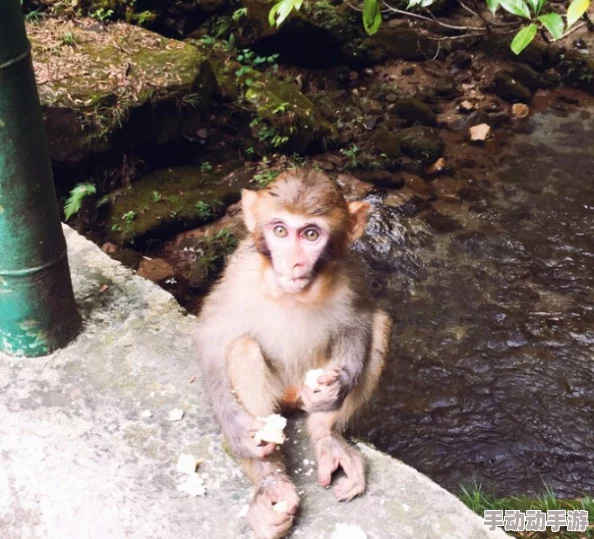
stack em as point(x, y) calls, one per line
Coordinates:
point(491, 372)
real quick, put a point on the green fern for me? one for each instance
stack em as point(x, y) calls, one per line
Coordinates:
point(75, 200)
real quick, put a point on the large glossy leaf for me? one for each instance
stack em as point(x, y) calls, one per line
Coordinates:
point(516, 7)
point(575, 10)
point(553, 22)
point(372, 16)
point(523, 38)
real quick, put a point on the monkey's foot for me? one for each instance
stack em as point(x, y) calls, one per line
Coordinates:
point(272, 511)
point(332, 452)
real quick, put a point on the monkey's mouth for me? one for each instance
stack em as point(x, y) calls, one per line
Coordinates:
point(293, 286)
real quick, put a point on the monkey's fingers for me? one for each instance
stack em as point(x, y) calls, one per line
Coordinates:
point(264, 450)
point(328, 463)
point(348, 488)
point(328, 378)
point(353, 483)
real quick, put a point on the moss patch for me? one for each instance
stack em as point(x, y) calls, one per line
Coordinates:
point(172, 199)
point(93, 83)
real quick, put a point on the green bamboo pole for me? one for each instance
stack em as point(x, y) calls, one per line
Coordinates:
point(38, 313)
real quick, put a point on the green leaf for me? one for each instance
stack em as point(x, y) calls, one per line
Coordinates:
point(553, 23)
point(493, 5)
point(281, 10)
point(372, 16)
point(534, 5)
point(541, 4)
point(516, 7)
point(575, 10)
point(75, 200)
point(523, 38)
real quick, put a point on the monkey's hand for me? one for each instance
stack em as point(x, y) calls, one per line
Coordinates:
point(267, 521)
point(334, 386)
point(240, 433)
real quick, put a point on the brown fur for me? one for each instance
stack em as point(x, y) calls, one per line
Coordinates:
point(256, 343)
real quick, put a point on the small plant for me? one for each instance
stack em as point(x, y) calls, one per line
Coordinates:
point(351, 153)
point(156, 196)
point(33, 16)
point(238, 14)
point(203, 210)
point(528, 10)
point(206, 167)
point(77, 195)
point(116, 228)
point(101, 14)
point(69, 39)
point(264, 178)
point(281, 109)
point(129, 216)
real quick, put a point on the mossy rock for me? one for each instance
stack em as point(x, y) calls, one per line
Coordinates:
point(286, 119)
point(387, 142)
point(120, 87)
point(424, 144)
point(170, 200)
point(511, 89)
point(414, 111)
point(396, 43)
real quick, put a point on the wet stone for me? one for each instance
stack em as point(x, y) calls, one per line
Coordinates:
point(511, 89)
point(441, 223)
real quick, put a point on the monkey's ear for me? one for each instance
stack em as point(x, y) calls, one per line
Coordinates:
point(248, 205)
point(358, 216)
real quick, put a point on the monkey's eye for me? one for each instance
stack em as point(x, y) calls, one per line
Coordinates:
point(311, 234)
point(280, 231)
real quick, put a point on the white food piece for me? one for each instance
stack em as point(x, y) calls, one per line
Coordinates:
point(274, 425)
point(348, 531)
point(146, 414)
point(176, 415)
point(187, 463)
point(193, 485)
point(280, 507)
point(311, 379)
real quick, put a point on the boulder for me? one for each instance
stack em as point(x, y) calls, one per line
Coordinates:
point(172, 199)
point(118, 86)
point(424, 144)
point(387, 142)
point(510, 89)
point(414, 111)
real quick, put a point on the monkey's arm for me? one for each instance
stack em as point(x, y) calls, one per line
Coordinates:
point(237, 424)
point(342, 373)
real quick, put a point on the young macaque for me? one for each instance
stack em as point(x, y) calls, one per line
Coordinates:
point(291, 300)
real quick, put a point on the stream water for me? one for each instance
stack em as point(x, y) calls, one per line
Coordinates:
point(491, 372)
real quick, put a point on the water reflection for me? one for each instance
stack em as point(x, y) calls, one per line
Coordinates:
point(491, 376)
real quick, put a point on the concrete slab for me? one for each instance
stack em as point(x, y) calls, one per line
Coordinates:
point(80, 459)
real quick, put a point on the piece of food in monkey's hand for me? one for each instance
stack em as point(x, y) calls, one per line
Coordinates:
point(187, 463)
point(274, 425)
point(311, 379)
point(280, 507)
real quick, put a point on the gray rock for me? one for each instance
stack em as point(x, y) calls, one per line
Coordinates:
point(80, 459)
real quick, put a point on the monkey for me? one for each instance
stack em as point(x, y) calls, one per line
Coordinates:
point(292, 298)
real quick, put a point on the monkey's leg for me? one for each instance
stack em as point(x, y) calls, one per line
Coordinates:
point(332, 450)
point(259, 391)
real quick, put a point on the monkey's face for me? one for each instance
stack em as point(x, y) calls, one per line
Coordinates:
point(296, 245)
